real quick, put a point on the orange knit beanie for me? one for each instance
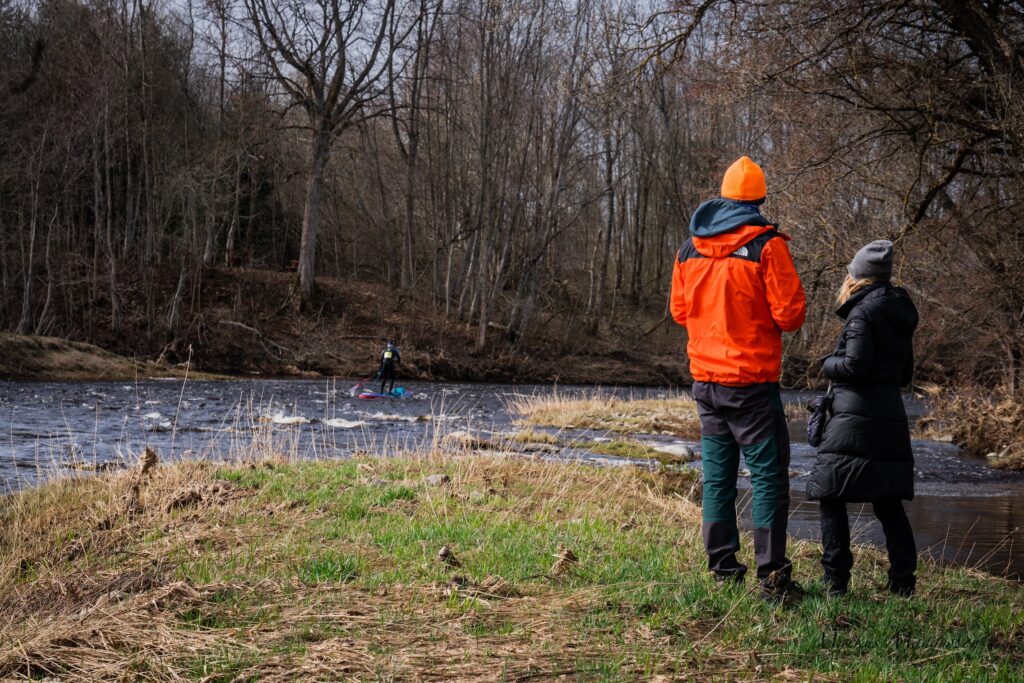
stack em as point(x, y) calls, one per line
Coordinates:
point(744, 182)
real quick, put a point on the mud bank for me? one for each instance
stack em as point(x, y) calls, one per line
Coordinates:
point(50, 358)
point(247, 324)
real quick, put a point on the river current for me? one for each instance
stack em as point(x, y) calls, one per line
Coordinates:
point(964, 513)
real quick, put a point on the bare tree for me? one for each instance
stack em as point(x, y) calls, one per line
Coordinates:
point(331, 57)
point(895, 119)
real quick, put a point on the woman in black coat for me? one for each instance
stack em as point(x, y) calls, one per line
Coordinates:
point(865, 453)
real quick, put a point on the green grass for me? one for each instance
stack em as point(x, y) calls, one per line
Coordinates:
point(629, 448)
point(332, 569)
point(328, 567)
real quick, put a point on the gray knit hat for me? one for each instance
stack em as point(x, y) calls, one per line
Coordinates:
point(872, 262)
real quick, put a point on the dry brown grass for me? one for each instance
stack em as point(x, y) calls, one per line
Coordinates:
point(562, 572)
point(42, 358)
point(677, 415)
point(78, 603)
point(985, 422)
point(534, 436)
point(87, 597)
point(620, 493)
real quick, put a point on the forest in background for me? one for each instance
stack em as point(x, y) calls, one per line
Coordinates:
point(519, 167)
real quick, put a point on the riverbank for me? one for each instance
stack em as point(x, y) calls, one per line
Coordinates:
point(51, 359)
point(246, 324)
point(445, 567)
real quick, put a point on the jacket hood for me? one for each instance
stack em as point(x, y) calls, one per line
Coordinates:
point(892, 302)
point(720, 246)
point(717, 216)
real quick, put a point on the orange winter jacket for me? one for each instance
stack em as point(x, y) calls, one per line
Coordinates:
point(735, 290)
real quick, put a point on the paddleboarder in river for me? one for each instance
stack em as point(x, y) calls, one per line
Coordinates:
point(389, 358)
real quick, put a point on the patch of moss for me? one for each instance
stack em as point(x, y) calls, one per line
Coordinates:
point(628, 448)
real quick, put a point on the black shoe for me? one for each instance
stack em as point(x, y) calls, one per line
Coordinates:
point(835, 586)
point(834, 590)
point(729, 578)
point(785, 593)
point(902, 589)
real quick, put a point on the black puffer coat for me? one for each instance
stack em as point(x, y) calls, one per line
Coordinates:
point(865, 451)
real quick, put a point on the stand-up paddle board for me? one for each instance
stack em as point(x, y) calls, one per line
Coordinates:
point(397, 392)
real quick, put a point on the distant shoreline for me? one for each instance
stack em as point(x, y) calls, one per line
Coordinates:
point(27, 358)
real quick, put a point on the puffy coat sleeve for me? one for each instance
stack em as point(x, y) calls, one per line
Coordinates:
point(785, 292)
point(677, 300)
point(860, 351)
point(908, 370)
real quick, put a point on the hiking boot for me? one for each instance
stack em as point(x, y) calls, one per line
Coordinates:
point(833, 589)
point(902, 589)
point(729, 578)
point(785, 593)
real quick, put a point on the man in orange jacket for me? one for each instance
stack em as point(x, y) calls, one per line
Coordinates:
point(735, 290)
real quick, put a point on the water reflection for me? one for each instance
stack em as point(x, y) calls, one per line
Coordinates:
point(972, 531)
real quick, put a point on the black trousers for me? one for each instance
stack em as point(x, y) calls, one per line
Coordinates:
point(748, 421)
point(387, 374)
point(836, 558)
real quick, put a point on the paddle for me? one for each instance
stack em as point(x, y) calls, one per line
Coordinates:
point(354, 390)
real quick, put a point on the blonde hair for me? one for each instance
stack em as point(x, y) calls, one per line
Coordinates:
point(850, 287)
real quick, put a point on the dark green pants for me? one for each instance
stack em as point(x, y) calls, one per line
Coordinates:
point(751, 421)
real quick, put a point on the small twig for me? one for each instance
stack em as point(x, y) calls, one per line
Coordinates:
point(934, 657)
point(722, 621)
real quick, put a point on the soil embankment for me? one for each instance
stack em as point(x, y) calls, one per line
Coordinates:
point(246, 324)
point(51, 358)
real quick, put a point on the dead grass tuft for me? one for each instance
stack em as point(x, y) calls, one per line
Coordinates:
point(677, 416)
point(118, 633)
point(565, 561)
point(147, 461)
point(465, 440)
point(534, 436)
point(985, 422)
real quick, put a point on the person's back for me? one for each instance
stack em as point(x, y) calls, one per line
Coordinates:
point(389, 357)
point(865, 453)
point(736, 290)
point(390, 354)
point(867, 435)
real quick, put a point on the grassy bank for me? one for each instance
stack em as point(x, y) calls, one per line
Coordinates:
point(53, 359)
point(442, 568)
point(677, 416)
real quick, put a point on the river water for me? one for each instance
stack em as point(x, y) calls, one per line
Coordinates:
point(965, 512)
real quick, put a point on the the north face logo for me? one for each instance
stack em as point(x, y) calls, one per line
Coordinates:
point(741, 252)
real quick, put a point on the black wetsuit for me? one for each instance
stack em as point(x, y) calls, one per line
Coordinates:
point(389, 358)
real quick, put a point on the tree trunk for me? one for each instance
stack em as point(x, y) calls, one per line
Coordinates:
point(115, 306)
point(26, 300)
point(174, 316)
point(212, 229)
point(311, 214)
point(46, 317)
point(606, 244)
point(408, 262)
point(229, 247)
